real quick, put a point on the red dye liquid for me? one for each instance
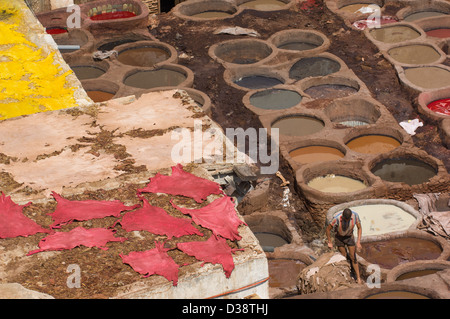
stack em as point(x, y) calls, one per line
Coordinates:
point(56, 30)
point(113, 15)
point(440, 106)
point(439, 33)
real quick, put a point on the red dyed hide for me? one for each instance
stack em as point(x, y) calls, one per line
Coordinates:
point(182, 183)
point(219, 216)
point(13, 222)
point(68, 211)
point(153, 261)
point(94, 237)
point(157, 221)
point(214, 250)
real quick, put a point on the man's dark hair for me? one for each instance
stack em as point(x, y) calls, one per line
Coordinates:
point(346, 216)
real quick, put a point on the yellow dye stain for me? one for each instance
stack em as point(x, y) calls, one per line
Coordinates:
point(30, 81)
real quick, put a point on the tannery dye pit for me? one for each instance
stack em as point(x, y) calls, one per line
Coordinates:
point(139, 147)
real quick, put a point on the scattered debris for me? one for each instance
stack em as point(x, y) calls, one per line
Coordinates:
point(237, 31)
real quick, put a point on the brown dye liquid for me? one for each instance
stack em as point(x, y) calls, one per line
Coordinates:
point(313, 154)
point(417, 273)
point(336, 184)
point(211, 14)
point(373, 144)
point(155, 78)
point(298, 125)
point(263, 4)
point(353, 8)
point(330, 91)
point(145, 57)
point(298, 46)
point(390, 253)
point(284, 272)
point(414, 54)
point(397, 294)
point(428, 77)
point(87, 72)
point(422, 15)
point(394, 34)
point(99, 96)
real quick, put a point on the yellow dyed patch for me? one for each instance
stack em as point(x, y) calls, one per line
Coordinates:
point(30, 82)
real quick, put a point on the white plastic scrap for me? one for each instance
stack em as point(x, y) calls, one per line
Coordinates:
point(238, 31)
point(411, 126)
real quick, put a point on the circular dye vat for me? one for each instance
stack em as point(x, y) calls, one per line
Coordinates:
point(397, 294)
point(284, 272)
point(243, 51)
point(414, 54)
point(146, 56)
point(439, 33)
point(315, 66)
point(392, 252)
point(423, 14)
point(298, 125)
point(155, 78)
point(336, 184)
point(258, 82)
point(373, 144)
point(212, 14)
point(405, 170)
point(113, 15)
point(441, 106)
point(263, 5)
point(275, 99)
point(298, 46)
point(378, 219)
point(269, 241)
point(314, 154)
point(428, 77)
point(87, 72)
point(417, 273)
point(100, 96)
point(394, 34)
point(330, 91)
point(56, 30)
point(357, 8)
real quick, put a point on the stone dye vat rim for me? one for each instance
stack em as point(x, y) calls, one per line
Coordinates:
point(344, 111)
point(267, 100)
point(390, 165)
point(290, 126)
point(317, 40)
point(331, 86)
point(315, 66)
point(189, 9)
point(403, 291)
point(414, 33)
point(415, 53)
point(343, 6)
point(172, 55)
point(182, 77)
point(100, 85)
point(425, 98)
point(269, 224)
point(399, 206)
point(435, 77)
point(110, 43)
point(317, 146)
point(412, 266)
point(86, 45)
point(272, 5)
point(85, 69)
point(262, 50)
point(390, 139)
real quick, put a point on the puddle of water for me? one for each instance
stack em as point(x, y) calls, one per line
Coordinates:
point(336, 184)
point(297, 46)
point(316, 66)
point(258, 82)
point(113, 15)
point(423, 14)
point(409, 171)
point(394, 34)
point(313, 154)
point(417, 273)
point(155, 78)
point(392, 252)
point(145, 57)
point(284, 272)
point(373, 144)
point(87, 72)
point(298, 125)
point(330, 91)
point(100, 96)
point(439, 33)
point(212, 14)
point(275, 99)
point(414, 54)
point(263, 4)
point(428, 77)
point(441, 106)
point(398, 294)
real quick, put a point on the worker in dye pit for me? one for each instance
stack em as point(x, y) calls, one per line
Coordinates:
point(344, 223)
